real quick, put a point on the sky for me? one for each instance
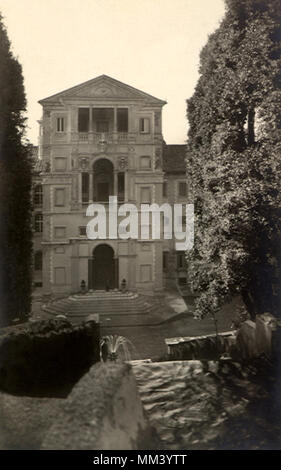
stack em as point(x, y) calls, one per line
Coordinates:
point(152, 45)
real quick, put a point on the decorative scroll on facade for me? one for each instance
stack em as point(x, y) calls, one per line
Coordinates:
point(122, 162)
point(84, 163)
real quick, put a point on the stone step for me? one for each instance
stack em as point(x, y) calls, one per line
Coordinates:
point(107, 295)
point(108, 305)
point(111, 305)
point(98, 299)
point(113, 317)
point(83, 315)
point(86, 302)
point(106, 308)
point(120, 300)
point(101, 306)
point(109, 299)
point(112, 321)
point(102, 303)
point(80, 302)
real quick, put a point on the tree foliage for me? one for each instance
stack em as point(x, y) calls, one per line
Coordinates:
point(15, 187)
point(234, 161)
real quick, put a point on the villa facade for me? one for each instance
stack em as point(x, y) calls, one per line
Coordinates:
point(99, 139)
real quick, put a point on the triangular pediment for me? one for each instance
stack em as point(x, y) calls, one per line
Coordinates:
point(103, 87)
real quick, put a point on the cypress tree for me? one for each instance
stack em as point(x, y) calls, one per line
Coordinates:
point(15, 201)
point(234, 161)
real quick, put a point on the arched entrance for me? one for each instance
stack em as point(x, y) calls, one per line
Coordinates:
point(103, 180)
point(103, 268)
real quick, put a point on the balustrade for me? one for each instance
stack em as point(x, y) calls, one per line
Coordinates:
point(104, 137)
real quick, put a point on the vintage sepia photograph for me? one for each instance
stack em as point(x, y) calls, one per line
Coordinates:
point(140, 228)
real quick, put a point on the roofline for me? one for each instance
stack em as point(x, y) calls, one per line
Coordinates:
point(96, 78)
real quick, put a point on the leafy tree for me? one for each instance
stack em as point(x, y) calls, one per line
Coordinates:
point(15, 187)
point(234, 161)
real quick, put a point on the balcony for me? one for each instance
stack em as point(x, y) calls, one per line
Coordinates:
point(83, 136)
point(122, 136)
point(102, 137)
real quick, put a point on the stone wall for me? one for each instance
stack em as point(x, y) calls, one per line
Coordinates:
point(262, 337)
point(245, 346)
point(212, 405)
point(208, 347)
point(103, 411)
point(252, 339)
point(46, 358)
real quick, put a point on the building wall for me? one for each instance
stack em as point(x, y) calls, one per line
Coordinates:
point(174, 270)
point(67, 153)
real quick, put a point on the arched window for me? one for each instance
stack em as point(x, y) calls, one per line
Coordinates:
point(38, 195)
point(38, 261)
point(38, 223)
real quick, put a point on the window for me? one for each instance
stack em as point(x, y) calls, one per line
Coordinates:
point(59, 275)
point(102, 126)
point(165, 188)
point(85, 187)
point(59, 232)
point(60, 163)
point(145, 163)
point(59, 197)
point(165, 255)
point(145, 196)
point(122, 120)
point(181, 260)
point(83, 119)
point(38, 223)
point(60, 124)
point(82, 231)
point(144, 125)
point(182, 188)
point(145, 272)
point(38, 195)
point(102, 119)
point(38, 261)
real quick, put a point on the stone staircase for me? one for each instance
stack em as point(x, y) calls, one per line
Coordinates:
point(110, 306)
